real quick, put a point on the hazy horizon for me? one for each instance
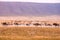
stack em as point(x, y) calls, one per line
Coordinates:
point(29, 9)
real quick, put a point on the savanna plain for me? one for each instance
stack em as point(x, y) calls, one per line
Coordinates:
point(29, 33)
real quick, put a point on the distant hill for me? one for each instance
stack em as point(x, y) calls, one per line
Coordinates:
point(29, 9)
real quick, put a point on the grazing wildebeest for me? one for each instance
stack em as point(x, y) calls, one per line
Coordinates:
point(4, 23)
point(16, 23)
point(28, 24)
point(55, 24)
point(48, 24)
point(36, 24)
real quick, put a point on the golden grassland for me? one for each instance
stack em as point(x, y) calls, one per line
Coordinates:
point(29, 33)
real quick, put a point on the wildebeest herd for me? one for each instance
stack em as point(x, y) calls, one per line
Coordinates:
point(29, 23)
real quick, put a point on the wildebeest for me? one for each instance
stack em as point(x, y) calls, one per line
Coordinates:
point(36, 24)
point(55, 24)
point(48, 24)
point(4, 23)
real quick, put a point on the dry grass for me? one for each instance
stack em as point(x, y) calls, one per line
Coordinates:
point(29, 33)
